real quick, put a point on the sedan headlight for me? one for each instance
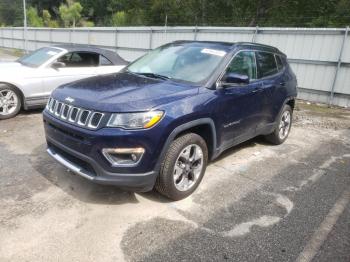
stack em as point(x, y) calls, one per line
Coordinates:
point(135, 120)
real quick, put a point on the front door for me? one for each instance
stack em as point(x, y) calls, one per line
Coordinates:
point(240, 105)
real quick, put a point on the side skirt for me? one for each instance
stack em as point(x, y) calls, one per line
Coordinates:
point(35, 102)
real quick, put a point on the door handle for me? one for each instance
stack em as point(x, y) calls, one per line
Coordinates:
point(283, 83)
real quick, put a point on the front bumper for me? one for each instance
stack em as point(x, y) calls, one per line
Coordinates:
point(137, 182)
point(80, 151)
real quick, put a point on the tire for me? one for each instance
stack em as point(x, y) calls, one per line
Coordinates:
point(281, 132)
point(9, 106)
point(176, 188)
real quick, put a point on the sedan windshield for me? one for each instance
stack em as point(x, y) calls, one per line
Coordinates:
point(38, 57)
point(190, 63)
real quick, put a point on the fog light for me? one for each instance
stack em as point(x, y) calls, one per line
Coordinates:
point(123, 156)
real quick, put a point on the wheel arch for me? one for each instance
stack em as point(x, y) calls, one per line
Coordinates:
point(203, 127)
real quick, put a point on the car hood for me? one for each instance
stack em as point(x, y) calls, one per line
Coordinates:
point(14, 68)
point(122, 92)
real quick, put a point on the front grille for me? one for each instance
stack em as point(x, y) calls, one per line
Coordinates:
point(74, 115)
point(77, 161)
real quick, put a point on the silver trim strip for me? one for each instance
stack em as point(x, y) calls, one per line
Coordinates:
point(68, 164)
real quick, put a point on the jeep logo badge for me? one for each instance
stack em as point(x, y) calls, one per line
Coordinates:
point(69, 99)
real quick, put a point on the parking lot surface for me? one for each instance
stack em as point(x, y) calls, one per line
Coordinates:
point(257, 202)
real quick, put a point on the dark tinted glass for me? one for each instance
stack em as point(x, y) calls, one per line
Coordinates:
point(279, 62)
point(266, 64)
point(243, 64)
point(104, 61)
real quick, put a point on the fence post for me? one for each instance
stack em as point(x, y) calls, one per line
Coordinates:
point(50, 36)
point(195, 33)
point(13, 38)
point(256, 32)
point(2, 37)
point(89, 43)
point(338, 66)
point(116, 39)
point(150, 38)
point(36, 38)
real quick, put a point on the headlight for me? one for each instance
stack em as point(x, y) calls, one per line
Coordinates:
point(135, 120)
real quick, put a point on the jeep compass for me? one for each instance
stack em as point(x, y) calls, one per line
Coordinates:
point(158, 122)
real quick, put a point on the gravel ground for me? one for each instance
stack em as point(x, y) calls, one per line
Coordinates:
point(8, 55)
point(257, 202)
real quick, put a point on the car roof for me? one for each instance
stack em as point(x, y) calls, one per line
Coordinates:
point(110, 55)
point(230, 46)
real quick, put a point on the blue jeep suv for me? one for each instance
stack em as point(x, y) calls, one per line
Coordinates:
point(159, 121)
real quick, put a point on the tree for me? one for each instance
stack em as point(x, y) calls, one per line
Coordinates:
point(70, 13)
point(48, 22)
point(34, 19)
point(119, 19)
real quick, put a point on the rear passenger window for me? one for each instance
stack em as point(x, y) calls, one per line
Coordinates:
point(266, 64)
point(104, 61)
point(279, 62)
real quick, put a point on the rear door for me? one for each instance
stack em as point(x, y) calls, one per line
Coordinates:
point(270, 78)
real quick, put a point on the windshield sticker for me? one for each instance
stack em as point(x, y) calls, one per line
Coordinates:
point(52, 53)
point(213, 52)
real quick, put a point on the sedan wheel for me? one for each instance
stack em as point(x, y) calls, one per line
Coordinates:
point(10, 102)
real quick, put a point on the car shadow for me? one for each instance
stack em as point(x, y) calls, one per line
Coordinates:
point(247, 144)
point(76, 186)
point(86, 191)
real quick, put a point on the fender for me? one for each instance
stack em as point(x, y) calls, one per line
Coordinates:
point(182, 128)
point(284, 103)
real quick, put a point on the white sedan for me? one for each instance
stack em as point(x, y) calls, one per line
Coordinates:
point(28, 82)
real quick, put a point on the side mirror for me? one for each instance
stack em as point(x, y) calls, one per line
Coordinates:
point(57, 65)
point(233, 78)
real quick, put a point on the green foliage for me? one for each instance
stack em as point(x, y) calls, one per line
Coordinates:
point(34, 19)
point(119, 19)
point(48, 22)
point(283, 13)
point(70, 13)
point(84, 23)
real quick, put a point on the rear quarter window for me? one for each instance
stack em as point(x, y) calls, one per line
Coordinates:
point(279, 62)
point(104, 61)
point(266, 64)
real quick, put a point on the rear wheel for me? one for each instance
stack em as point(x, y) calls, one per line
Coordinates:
point(282, 130)
point(183, 167)
point(10, 101)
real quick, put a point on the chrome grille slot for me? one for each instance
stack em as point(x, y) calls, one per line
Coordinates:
point(58, 109)
point(53, 104)
point(83, 117)
point(74, 115)
point(95, 120)
point(65, 111)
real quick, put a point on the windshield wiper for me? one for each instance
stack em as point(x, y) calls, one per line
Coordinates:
point(153, 75)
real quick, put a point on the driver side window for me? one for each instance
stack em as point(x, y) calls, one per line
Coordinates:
point(244, 64)
point(80, 59)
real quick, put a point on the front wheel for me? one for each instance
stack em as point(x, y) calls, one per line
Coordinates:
point(280, 134)
point(10, 102)
point(183, 167)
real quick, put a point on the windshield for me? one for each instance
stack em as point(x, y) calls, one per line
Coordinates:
point(38, 57)
point(190, 63)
